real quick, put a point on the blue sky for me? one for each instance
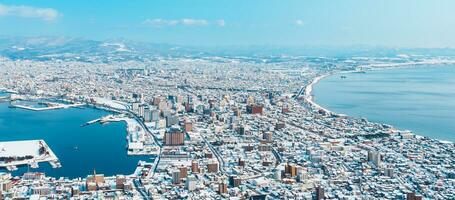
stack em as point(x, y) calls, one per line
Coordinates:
point(391, 23)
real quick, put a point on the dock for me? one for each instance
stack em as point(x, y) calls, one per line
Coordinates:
point(26, 152)
point(91, 122)
point(4, 98)
point(102, 120)
point(138, 141)
point(50, 107)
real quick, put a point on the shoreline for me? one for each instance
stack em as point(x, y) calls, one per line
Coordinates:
point(145, 156)
point(61, 106)
point(308, 96)
point(25, 147)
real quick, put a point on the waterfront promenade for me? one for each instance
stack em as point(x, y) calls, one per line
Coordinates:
point(52, 107)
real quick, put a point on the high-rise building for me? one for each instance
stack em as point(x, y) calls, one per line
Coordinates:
point(375, 158)
point(212, 167)
point(92, 181)
point(267, 136)
point(157, 100)
point(75, 190)
point(5, 185)
point(183, 171)
point(279, 125)
point(254, 109)
point(155, 115)
point(194, 166)
point(234, 181)
point(241, 130)
point(120, 181)
point(163, 105)
point(190, 183)
point(135, 106)
point(176, 176)
point(91, 186)
point(189, 107)
point(413, 196)
point(241, 162)
point(171, 120)
point(278, 174)
point(147, 115)
point(188, 126)
point(389, 172)
point(208, 154)
point(237, 112)
point(264, 147)
point(174, 137)
point(141, 110)
point(301, 174)
point(319, 192)
point(290, 169)
point(222, 188)
point(250, 100)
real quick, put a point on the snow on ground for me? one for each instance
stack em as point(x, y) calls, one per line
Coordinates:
point(19, 148)
point(110, 103)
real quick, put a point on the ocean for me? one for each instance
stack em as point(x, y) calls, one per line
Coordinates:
point(419, 98)
point(81, 150)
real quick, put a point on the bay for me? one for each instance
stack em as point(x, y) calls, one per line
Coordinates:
point(420, 99)
point(81, 150)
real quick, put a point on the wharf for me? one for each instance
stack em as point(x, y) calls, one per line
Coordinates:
point(30, 152)
point(138, 141)
point(53, 106)
point(102, 120)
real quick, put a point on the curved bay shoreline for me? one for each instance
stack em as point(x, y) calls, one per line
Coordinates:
point(137, 159)
point(309, 96)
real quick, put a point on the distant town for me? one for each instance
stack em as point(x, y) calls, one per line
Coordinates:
point(223, 128)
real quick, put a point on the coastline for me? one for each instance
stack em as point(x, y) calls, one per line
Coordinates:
point(308, 96)
point(128, 122)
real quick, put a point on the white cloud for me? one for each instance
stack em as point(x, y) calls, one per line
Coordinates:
point(220, 22)
point(47, 14)
point(158, 22)
point(299, 22)
point(194, 22)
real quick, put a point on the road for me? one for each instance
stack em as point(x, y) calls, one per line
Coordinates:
point(217, 155)
point(140, 189)
point(158, 158)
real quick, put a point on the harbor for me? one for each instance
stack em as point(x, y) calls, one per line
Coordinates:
point(77, 148)
point(370, 95)
point(47, 106)
point(4, 98)
point(139, 142)
point(26, 152)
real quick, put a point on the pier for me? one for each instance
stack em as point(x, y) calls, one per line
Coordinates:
point(138, 141)
point(4, 98)
point(102, 120)
point(91, 122)
point(51, 106)
point(26, 152)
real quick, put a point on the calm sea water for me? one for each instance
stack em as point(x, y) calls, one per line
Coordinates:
point(100, 147)
point(420, 99)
